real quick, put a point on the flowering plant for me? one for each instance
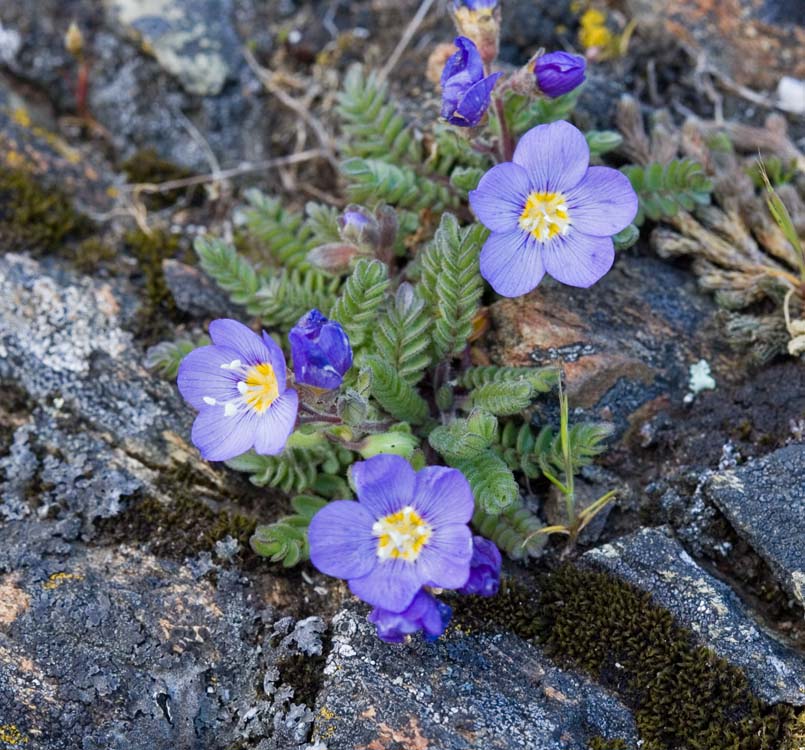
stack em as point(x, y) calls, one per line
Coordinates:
point(382, 401)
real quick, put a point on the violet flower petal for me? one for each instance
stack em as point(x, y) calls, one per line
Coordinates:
point(445, 560)
point(555, 156)
point(341, 541)
point(443, 496)
point(512, 262)
point(390, 584)
point(276, 424)
point(578, 259)
point(500, 197)
point(219, 437)
point(202, 377)
point(603, 203)
point(384, 484)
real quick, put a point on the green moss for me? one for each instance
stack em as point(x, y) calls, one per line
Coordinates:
point(159, 308)
point(599, 743)
point(93, 253)
point(146, 166)
point(180, 529)
point(795, 736)
point(682, 694)
point(36, 218)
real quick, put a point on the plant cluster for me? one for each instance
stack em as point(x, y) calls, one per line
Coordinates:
point(362, 384)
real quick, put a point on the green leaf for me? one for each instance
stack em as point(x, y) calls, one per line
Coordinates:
point(166, 356)
point(286, 295)
point(283, 233)
point(361, 297)
point(464, 438)
point(465, 179)
point(233, 273)
point(664, 189)
point(373, 128)
point(603, 141)
point(491, 480)
point(452, 150)
point(627, 237)
point(515, 531)
point(451, 283)
point(541, 379)
point(525, 113)
point(374, 180)
point(402, 338)
point(286, 540)
point(323, 223)
point(394, 394)
point(586, 441)
point(503, 398)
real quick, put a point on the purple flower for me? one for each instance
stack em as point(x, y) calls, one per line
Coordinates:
point(424, 613)
point(407, 530)
point(465, 91)
point(475, 4)
point(558, 73)
point(320, 351)
point(238, 386)
point(484, 577)
point(549, 212)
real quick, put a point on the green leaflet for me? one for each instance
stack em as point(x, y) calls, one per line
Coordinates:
point(451, 283)
point(664, 189)
point(362, 294)
point(374, 180)
point(372, 126)
point(503, 398)
point(286, 295)
point(515, 531)
point(284, 234)
point(166, 356)
point(541, 379)
point(402, 338)
point(586, 441)
point(394, 394)
point(233, 273)
point(286, 540)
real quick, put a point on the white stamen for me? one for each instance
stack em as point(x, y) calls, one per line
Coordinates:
point(210, 401)
point(242, 387)
point(235, 364)
point(230, 409)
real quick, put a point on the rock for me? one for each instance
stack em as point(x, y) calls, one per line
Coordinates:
point(135, 102)
point(653, 561)
point(618, 358)
point(113, 649)
point(764, 500)
point(754, 43)
point(195, 293)
point(104, 431)
point(477, 690)
point(192, 40)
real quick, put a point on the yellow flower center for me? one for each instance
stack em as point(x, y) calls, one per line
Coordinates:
point(259, 389)
point(401, 535)
point(545, 215)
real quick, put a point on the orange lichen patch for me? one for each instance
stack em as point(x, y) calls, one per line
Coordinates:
point(13, 600)
point(410, 737)
point(57, 579)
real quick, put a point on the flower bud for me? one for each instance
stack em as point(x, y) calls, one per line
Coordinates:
point(559, 73)
point(74, 40)
point(485, 565)
point(479, 20)
point(359, 227)
point(334, 257)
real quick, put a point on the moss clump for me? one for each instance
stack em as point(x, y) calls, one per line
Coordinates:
point(182, 528)
point(35, 218)
point(93, 253)
point(599, 743)
point(795, 737)
point(682, 694)
point(146, 166)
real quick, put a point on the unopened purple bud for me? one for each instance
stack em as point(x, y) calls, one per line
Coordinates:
point(357, 225)
point(475, 4)
point(425, 613)
point(485, 565)
point(559, 73)
point(320, 351)
point(465, 91)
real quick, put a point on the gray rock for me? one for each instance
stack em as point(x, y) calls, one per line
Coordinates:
point(485, 691)
point(112, 649)
point(653, 561)
point(765, 501)
point(195, 293)
point(193, 40)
